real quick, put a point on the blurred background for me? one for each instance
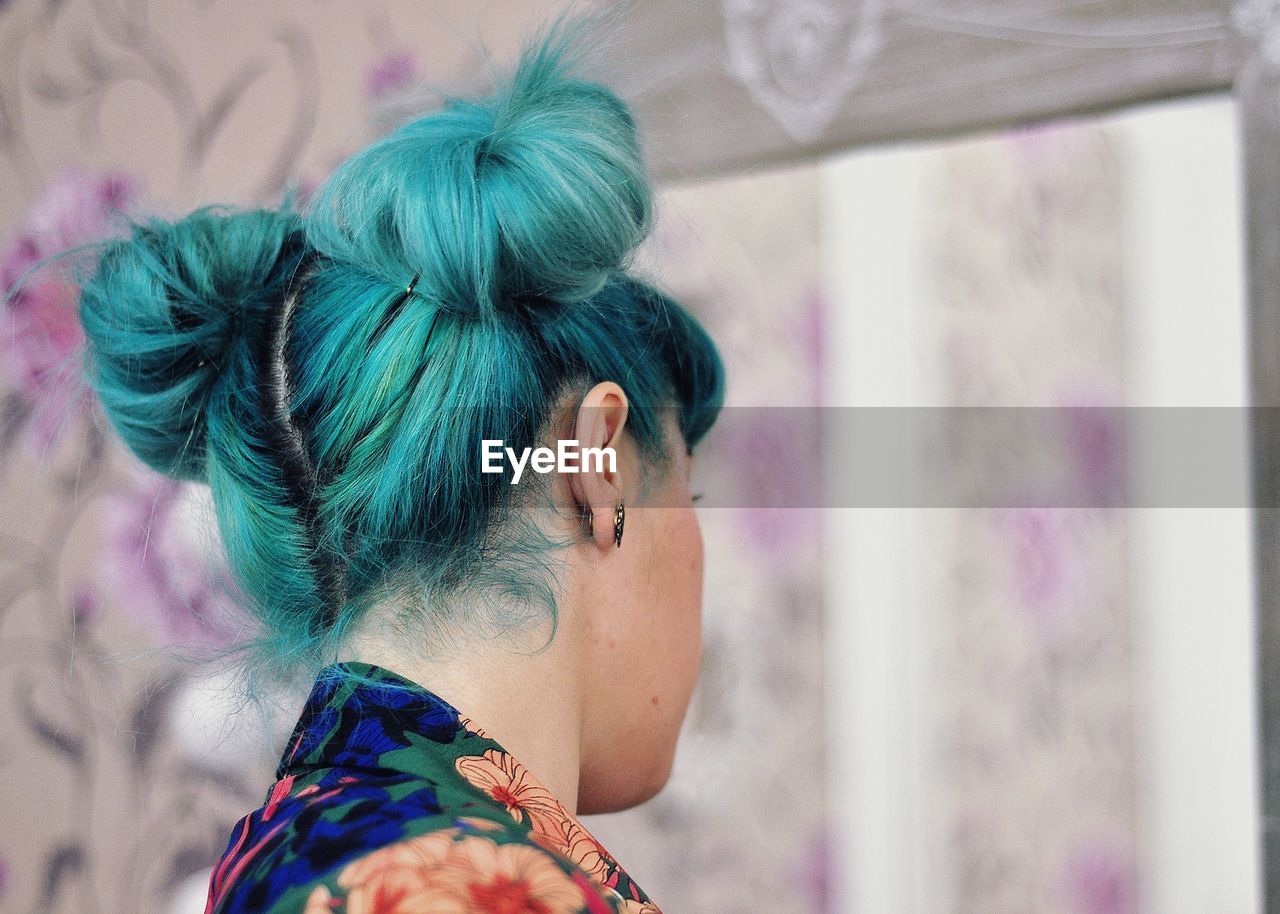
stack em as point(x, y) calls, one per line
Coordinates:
point(902, 709)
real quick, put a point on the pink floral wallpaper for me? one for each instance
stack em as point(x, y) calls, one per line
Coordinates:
point(1035, 678)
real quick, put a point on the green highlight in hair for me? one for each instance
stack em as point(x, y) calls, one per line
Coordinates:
point(279, 356)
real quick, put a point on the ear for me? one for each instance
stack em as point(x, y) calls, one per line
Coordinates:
point(597, 488)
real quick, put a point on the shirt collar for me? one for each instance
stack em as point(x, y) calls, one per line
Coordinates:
point(365, 718)
point(362, 719)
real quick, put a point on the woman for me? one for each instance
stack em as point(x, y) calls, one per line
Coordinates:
point(492, 661)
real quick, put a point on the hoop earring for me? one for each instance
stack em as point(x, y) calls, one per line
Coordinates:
point(619, 518)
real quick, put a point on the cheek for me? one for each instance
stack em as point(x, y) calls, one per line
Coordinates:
point(695, 595)
point(693, 545)
point(651, 680)
point(679, 578)
point(664, 624)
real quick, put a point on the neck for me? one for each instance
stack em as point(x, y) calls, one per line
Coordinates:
point(530, 703)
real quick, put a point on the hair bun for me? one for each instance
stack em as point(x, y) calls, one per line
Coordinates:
point(173, 308)
point(537, 191)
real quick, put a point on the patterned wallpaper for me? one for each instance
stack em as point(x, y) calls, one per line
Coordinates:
point(1035, 678)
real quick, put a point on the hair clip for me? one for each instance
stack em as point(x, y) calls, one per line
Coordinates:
point(412, 283)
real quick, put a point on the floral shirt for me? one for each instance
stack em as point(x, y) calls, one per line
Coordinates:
point(388, 802)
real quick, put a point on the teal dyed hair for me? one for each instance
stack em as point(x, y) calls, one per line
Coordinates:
point(280, 357)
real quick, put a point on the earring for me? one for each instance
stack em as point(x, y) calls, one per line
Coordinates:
point(619, 518)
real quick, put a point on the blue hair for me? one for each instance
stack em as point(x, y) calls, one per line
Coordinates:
point(281, 356)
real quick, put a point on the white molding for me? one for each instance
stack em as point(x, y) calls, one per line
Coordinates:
point(1195, 691)
point(878, 587)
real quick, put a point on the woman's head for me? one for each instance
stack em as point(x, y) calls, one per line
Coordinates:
point(332, 373)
